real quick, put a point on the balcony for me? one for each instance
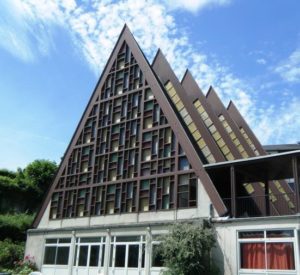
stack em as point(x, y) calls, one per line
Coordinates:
point(259, 186)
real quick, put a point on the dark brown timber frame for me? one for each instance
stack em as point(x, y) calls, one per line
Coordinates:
point(191, 87)
point(165, 73)
point(162, 99)
point(241, 122)
point(220, 109)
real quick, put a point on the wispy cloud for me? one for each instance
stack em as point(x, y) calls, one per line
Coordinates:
point(289, 69)
point(195, 5)
point(94, 29)
point(261, 61)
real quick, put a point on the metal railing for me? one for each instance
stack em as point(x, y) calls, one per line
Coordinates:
point(260, 206)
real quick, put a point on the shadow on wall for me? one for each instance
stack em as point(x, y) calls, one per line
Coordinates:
point(220, 259)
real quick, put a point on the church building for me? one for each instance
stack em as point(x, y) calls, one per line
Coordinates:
point(151, 150)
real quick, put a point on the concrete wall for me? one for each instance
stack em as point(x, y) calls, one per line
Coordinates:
point(226, 252)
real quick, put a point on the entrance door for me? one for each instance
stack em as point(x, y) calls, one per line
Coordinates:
point(89, 256)
point(127, 256)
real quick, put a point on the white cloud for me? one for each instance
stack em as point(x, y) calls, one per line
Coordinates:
point(94, 30)
point(289, 69)
point(196, 5)
point(261, 61)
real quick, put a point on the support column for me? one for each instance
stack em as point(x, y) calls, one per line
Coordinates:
point(296, 181)
point(72, 253)
point(233, 191)
point(107, 252)
point(148, 251)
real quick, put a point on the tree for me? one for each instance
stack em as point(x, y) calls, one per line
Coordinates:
point(186, 250)
point(39, 175)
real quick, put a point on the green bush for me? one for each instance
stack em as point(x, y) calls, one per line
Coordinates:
point(10, 253)
point(186, 250)
point(15, 226)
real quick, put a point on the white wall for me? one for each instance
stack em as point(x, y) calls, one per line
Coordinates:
point(226, 255)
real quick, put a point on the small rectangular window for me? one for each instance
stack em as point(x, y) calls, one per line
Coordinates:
point(49, 257)
point(94, 255)
point(120, 256)
point(133, 255)
point(83, 254)
point(184, 163)
point(62, 257)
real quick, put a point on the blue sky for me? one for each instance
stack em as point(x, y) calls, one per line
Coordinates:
point(52, 53)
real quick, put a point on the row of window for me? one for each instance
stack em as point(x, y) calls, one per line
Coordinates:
point(125, 252)
point(154, 194)
point(258, 250)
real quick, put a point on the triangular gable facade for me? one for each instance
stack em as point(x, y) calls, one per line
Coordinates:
point(130, 152)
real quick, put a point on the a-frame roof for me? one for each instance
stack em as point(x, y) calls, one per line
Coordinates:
point(190, 85)
point(165, 73)
point(162, 99)
point(241, 122)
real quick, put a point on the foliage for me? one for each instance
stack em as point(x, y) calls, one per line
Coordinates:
point(10, 253)
point(186, 250)
point(22, 267)
point(15, 226)
point(39, 175)
point(23, 190)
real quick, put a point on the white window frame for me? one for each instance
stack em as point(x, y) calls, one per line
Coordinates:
point(265, 240)
point(140, 243)
point(79, 243)
point(57, 244)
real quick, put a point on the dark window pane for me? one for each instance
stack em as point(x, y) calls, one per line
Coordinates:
point(51, 241)
point(103, 254)
point(94, 256)
point(193, 190)
point(111, 255)
point(65, 240)
point(183, 200)
point(156, 257)
point(83, 253)
point(49, 257)
point(62, 257)
point(251, 234)
point(143, 255)
point(90, 240)
point(183, 164)
point(120, 256)
point(133, 256)
point(280, 234)
point(127, 238)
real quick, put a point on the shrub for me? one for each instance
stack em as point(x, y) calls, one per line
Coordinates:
point(15, 226)
point(186, 250)
point(10, 253)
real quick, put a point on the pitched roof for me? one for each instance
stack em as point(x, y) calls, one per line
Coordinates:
point(163, 101)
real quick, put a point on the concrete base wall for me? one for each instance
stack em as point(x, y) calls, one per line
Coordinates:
point(226, 254)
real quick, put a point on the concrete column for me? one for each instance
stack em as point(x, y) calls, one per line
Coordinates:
point(107, 252)
point(148, 251)
point(72, 253)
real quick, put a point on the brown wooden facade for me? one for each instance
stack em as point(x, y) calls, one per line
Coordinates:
point(142, 141)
